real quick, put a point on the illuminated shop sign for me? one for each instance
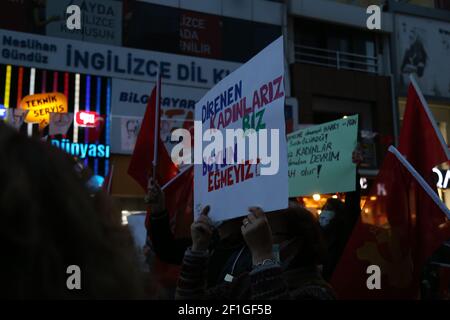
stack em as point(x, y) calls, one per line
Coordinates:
point(2, 112)
point(83, 150)
point(41, 105)
point(87, 119)
point(50, 53)
point(443, 178)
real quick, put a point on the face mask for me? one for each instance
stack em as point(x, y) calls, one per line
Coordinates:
point(325, 218)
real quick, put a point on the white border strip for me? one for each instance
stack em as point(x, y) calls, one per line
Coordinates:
point(429, 114)
point(420, 180)
point(176, 177)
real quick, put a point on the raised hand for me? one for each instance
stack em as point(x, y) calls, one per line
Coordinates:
point(155, 197)
point(202, 231)
point(258, 236)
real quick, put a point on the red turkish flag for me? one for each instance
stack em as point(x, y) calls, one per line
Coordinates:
point(420, 141)
point(402, 223)
point(141, 164)
point(407, 222)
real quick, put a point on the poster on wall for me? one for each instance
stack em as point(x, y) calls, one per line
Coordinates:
point(129, 131)
point(129, 100)
point(424, 49)
point(101, 20)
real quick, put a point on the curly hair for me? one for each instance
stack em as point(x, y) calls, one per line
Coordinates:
point(49, 222)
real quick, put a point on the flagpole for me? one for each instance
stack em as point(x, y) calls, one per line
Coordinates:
point(156, 133)
point(426, 187)
point(176, 177)
point(108, 187)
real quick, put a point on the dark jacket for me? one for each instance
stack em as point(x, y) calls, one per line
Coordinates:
point(224, 252)
point(166, 247)
point(267, 282)
point(338, 234)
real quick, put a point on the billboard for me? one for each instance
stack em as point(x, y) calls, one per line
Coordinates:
point(101, 21)
point(424, 49)
point(129, 100)
point(30, 50)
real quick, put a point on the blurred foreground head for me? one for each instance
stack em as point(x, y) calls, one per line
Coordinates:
point(49, 222)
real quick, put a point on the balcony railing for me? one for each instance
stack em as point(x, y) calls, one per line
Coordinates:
point(336, 59)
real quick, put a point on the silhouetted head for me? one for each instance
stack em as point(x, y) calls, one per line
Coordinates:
point(298, 234)
point(49, 222)
point(332, 213)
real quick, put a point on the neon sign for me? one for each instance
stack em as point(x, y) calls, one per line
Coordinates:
point(83, 150)
point(87, 119)
point(2, 112)
point(41, 105)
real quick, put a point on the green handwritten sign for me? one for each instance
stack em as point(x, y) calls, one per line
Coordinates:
point(320, 158)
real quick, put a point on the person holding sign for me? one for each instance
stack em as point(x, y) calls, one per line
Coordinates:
point(292, 275)
point(229, 256)
point(337, 220)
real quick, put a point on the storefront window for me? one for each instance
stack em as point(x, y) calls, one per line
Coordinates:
point(83, 93)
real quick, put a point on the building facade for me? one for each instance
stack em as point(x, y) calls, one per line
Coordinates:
point(335, 66)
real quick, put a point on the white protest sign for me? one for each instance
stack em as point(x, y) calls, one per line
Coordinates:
point(60, 123)
point(16, 117)
point(252, 98)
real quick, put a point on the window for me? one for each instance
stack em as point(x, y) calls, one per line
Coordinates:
point(193, 33)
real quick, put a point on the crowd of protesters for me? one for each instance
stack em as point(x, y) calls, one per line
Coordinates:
point(51, 219)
